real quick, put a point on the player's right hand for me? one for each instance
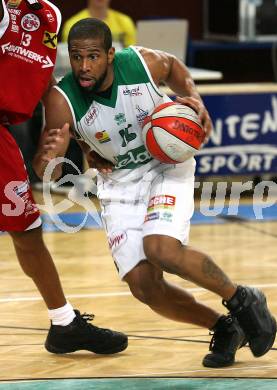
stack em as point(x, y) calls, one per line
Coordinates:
point(53, 143)
point(98, 162)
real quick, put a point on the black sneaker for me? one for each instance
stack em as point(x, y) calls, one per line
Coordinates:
point(249, 306)
point(227, 338)
point(80, 335)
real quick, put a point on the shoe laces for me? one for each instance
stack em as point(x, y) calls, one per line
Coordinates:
point(87, 317)
point(218, 341)
point(220, 338)
point(84, 320)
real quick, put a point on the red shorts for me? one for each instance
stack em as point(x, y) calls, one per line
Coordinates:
point(18, 211)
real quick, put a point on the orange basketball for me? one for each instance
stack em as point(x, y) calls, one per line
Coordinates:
point(172, 133)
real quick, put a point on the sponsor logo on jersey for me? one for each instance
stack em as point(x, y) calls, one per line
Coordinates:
point(132, 92)
point(13, 15)
point(50, 39)
point(26, 55)
point(22, 188)
point(49, 16)
point(141, 114)
point(161, 201)
point(30, 22)
point(152, 217)
point(13, 3)
point(116, 239)
point(15, 28)
point(120, 118)
point(91, 116)
point(133, 158)
point(15, 12)
point(102, 137)
point(166, 216)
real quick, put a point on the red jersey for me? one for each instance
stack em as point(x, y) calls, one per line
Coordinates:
point(28, 48)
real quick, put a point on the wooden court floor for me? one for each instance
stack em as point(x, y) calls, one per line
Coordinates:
point(157, 347)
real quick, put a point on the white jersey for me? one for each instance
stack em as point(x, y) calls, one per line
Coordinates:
point(112, 125)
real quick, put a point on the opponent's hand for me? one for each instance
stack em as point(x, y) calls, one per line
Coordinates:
point(204, 117)
point(98, 162)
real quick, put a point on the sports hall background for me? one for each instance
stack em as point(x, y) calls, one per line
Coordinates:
point(253, 62)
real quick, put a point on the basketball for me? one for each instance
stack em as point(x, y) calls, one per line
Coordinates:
point(172, 133)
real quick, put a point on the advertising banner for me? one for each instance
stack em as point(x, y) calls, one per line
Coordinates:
point(244, 140)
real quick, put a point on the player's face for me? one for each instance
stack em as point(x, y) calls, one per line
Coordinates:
point(90, 62)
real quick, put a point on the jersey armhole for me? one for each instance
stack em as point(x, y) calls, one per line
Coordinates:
point(69, 105)
point(58, 14)
point(4, 23)
point(135, 49)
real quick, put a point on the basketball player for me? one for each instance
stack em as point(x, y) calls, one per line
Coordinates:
point(28, 39)
point(146, 205)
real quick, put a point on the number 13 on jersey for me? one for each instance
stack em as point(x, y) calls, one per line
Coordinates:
point(26, 39)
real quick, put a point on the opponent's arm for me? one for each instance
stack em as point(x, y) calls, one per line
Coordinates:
point(166, 68)
point(55, 138)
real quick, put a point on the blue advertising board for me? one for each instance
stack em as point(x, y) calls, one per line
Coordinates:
point(244, 140)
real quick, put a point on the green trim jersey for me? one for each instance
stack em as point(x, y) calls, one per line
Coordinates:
point(112, 126)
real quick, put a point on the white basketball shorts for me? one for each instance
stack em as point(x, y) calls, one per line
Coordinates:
point(160, 202)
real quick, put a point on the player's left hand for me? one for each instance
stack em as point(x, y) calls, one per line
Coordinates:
point(96, 161)
point(204, 117)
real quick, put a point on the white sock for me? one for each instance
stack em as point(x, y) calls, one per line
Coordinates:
point(63, 315)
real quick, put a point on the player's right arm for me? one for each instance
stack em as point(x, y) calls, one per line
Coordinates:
point(58, 113)
point(56, 136)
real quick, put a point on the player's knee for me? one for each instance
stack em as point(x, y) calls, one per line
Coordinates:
point(145, 282)
point(145, 292)
point(163, 253)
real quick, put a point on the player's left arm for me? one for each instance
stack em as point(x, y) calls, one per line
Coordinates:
point(166, 68)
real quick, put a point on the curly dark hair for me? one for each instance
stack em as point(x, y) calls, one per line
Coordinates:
point(91, 28)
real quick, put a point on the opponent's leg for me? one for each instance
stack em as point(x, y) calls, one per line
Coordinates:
point(20, 217)
point(37, 263)
point(69, 331)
